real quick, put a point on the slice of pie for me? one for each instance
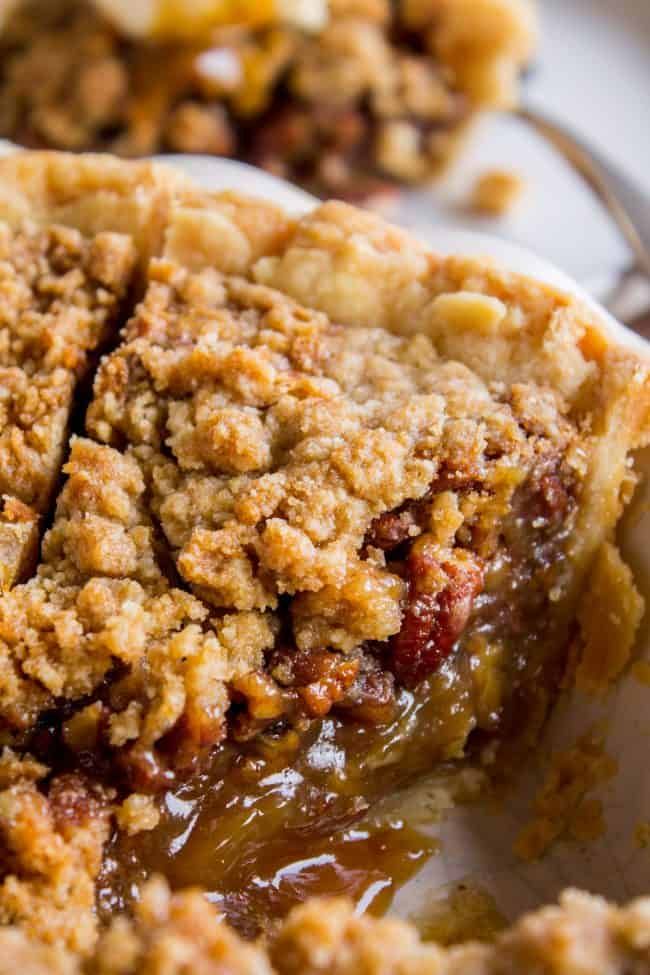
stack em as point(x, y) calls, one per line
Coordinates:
point(68, 254)
point(327, 524)
point(61, 297)
point(373, 95)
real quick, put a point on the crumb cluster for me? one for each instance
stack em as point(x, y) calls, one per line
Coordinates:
point(276, 517)
point(171, 934)
point(61, 295)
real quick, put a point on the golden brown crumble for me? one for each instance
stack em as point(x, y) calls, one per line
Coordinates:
point(381, 93)
point(50, 854)
point(563, 807)
point(97, 194)
point(137, 813)
point(18, 541)
point(362, 271)
point(496, 192)
point(231, 400)
point(459, 913)
point(280, 426)
point(224, 408)
point(99, 597)
point(581, 934)
point(174, 934)
point(16, 767)
point(61, 296)
point(277, 447)
point(33, 957)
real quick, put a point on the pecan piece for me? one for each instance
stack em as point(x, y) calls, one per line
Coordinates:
point(389, 530)
point(371, 698)
point(321, 678)
point(333, 675)
point(433, 620)
point(554, 497)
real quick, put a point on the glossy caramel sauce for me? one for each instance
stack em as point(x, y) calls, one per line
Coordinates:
point(257, 884)
point(277, 821)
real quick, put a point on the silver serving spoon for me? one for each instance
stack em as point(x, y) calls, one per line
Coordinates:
point(627, 205)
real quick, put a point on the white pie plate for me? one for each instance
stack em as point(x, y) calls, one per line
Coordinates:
point(476, 842)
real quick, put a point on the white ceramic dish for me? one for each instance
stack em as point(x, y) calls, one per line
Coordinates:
point(476, 843)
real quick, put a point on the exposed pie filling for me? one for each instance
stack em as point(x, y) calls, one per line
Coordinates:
point(301, 554)
point(379, 95)
point(367, 539)
point(286, 792)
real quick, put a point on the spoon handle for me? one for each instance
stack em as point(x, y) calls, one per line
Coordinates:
point(628, 205)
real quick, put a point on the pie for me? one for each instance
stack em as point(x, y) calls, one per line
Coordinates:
point(326, 518)
point(380, 94)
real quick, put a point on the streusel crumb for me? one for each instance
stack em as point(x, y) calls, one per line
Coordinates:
point(137, 813)
point(61, 295)
point(496, 192)
point(563, 807)
point(51, 854)
point(171, 934)
point(18, 541)
point(99, 596)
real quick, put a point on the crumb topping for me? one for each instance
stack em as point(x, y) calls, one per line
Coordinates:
point(496, 192)
point(172, 934)
point(51, 846)
point(274, 439)
point(563, 806)
point(18, 541)
point(61, 293)
point(289, 516)
point(99, 597)
point(263, 452)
